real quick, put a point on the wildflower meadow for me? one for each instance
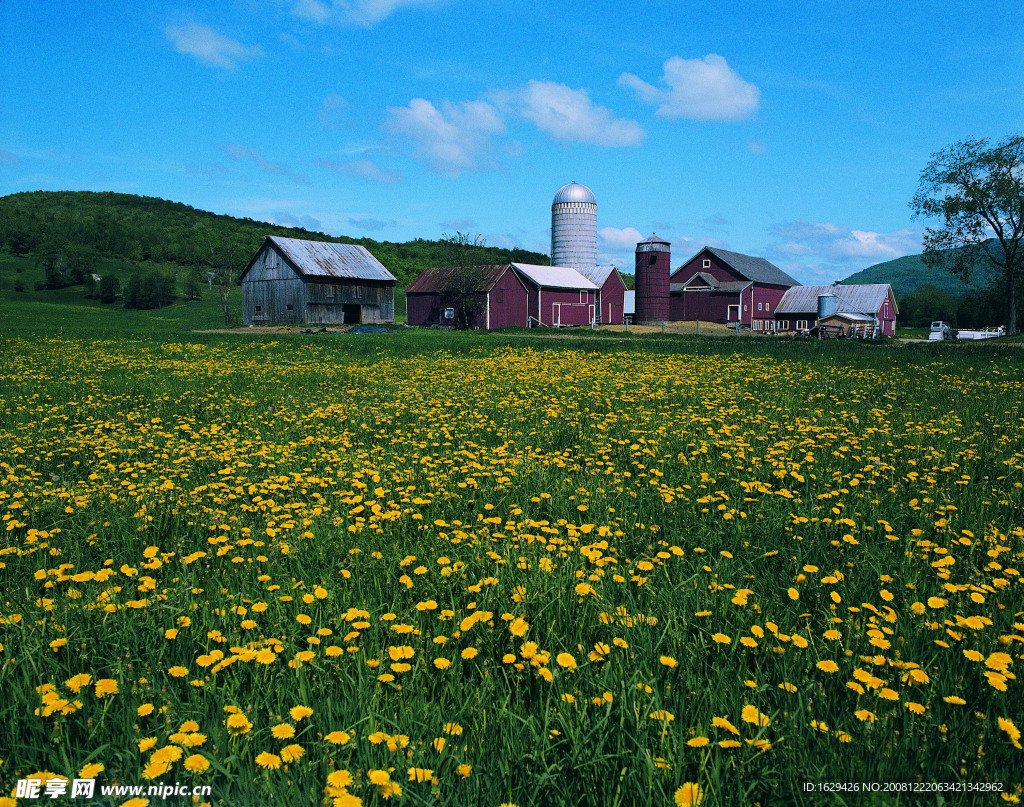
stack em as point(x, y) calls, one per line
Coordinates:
point(485, 570)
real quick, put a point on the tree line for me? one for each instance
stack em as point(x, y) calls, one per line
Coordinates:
point(69, 231)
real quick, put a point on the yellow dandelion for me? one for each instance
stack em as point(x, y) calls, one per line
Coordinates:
point(689, 795)
point(269, 761)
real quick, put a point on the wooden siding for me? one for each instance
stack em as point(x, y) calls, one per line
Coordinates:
point(273, 291)
point(611, 301)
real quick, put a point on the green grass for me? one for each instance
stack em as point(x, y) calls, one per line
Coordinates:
point(601, 490)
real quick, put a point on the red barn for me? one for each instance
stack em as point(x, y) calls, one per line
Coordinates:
point(611, 293)
point(503, 299)
point(558, 295)
point(716, 285)
point(870, 303)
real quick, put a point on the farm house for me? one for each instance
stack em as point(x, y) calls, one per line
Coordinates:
point(316, 283)
point(502, 299)
point(611, 292)
point(558, 295)
point(716, 285)
point(870, 304)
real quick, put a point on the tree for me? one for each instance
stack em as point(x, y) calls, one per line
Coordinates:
point(976, 190)
point(463, 284)
point(928, 303)
point(110, 288)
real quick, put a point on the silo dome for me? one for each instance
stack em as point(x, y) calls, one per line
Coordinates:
point(574, 226)
point(574, 192)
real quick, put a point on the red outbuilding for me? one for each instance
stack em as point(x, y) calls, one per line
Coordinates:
point(611, 293)
point(559, 296)
point(502, 299)
point(870, 305)
point(716, 285)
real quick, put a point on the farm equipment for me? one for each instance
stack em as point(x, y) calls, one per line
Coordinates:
point(940, 332)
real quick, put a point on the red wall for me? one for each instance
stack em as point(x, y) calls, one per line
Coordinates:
point(572, 313)
point(509, 302)
point(612, 297)
point(716, 309)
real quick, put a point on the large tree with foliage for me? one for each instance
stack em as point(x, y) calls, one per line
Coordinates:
point(976, 192)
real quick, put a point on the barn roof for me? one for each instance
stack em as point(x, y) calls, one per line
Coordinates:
point(857, 299)
point(434, 281)
point(596, 274)
point(756, 269)
point(553, 277)
point(327, 259)
point(713, 282)
point(850, 316)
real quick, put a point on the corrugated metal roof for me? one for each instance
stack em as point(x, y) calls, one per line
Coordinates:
point(860, 299)
point(553, 277)
point(432, 281)
point(849, 316)
point(596, 274)
point(574, 192)
point(327, 259)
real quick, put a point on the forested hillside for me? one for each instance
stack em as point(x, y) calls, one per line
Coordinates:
point(908, 273)
point(84, 227)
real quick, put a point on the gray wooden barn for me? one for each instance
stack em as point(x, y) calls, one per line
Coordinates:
point(316, 283)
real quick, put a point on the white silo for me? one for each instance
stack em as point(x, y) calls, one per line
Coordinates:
point(574, 226)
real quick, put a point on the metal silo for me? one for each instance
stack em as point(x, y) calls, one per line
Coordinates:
point(653, 266)
point(574, 226)
point(828, 304)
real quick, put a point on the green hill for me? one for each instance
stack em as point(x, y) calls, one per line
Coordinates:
point(96, 227)
point(906, 274)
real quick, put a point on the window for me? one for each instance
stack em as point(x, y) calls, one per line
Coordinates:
point(652, 259)
point(289, 307)
point(449, 313)
point(767, 306)
point(259, 309)
point(801, 325)
point(758, 306)
point(707, 263)
point(744, 306)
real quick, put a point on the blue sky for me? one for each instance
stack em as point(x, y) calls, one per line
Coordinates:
point(793, 131)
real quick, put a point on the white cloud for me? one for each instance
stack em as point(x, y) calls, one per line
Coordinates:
point(699, 89)
point(827, 251)
point(209, 47)
point(366, 13)
point(368, 169)
point(570, 116)
point(614, 238)
point(452, 140)
point(332, 111)
point(248, 153)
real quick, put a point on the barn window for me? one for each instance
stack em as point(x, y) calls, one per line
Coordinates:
point(259, 309)
point(767, 306)
point(758, 306)
point(707, 263)
point(289, 307)
point(449, 313)
point(652, 259)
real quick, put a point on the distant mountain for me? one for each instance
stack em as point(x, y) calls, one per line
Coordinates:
point(906, 274)
point(144, 229)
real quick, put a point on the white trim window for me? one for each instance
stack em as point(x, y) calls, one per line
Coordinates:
point(801, 325)
point(759, 306)
point(707, 263)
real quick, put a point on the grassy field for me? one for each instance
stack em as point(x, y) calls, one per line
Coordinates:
point(434, 568)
